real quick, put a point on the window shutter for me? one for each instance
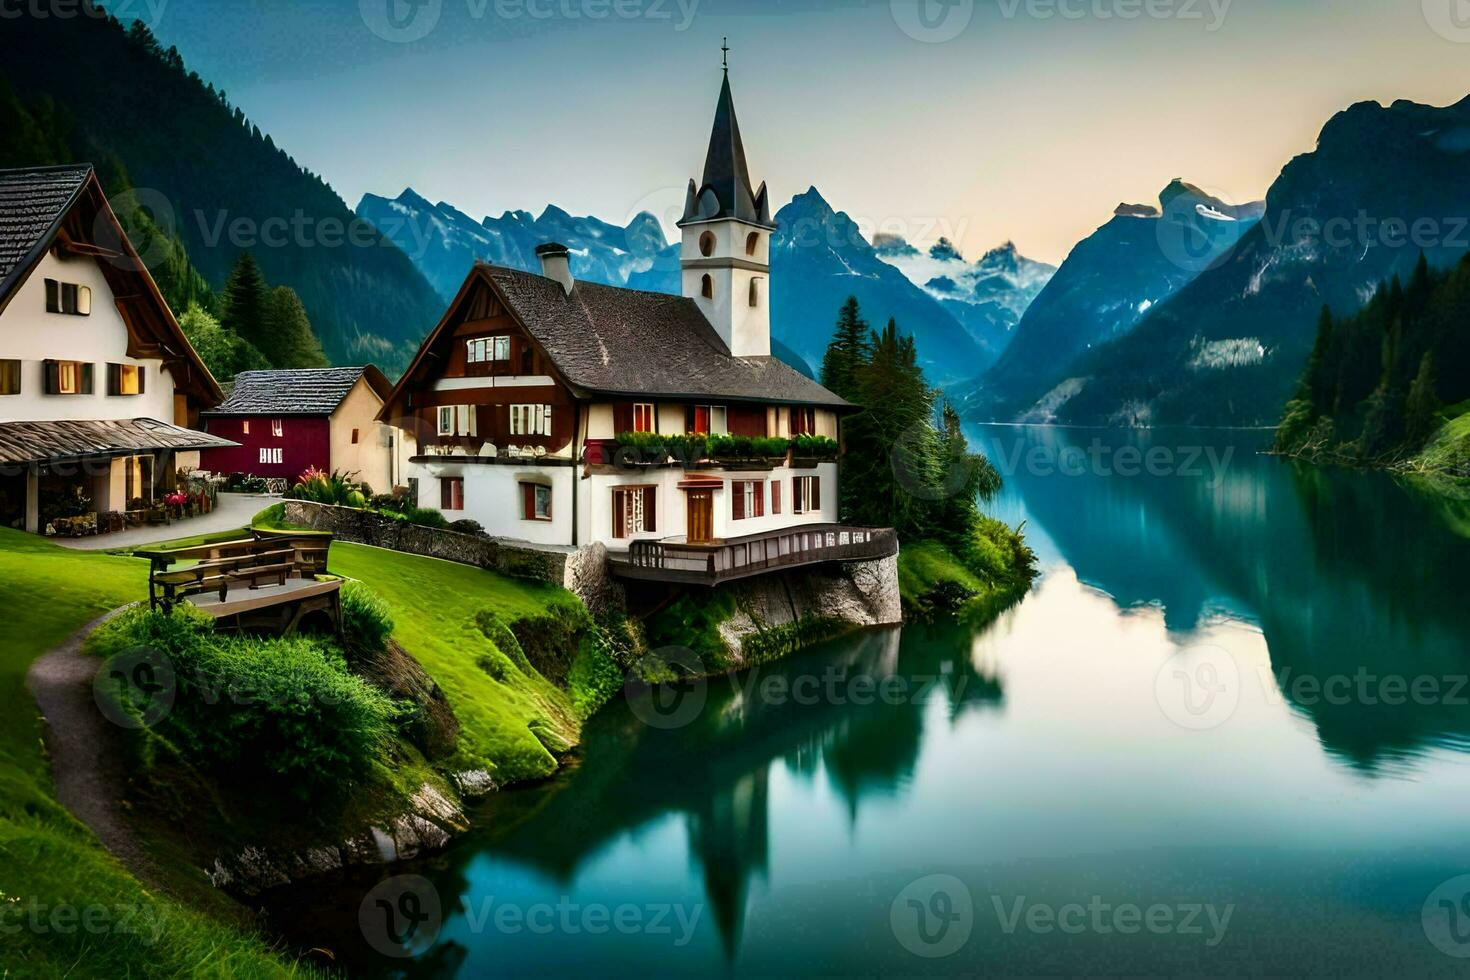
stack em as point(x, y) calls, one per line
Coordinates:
point(114, 379)
point(775, 496)
point(141, 372)
point(86, 385)
point(759, 497)
point(528, 502)
point(737, 501)
point(53, 377)
point(619, 515)
point(816, 493)
point(622, 418)
point(650, 516)
point(53, 296)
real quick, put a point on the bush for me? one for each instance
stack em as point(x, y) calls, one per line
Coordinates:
point(467, 527)
point(366, 621)
point(280, 710)
point(390, 503)
point(550, 642)
point(426, 517)
point(815, 447)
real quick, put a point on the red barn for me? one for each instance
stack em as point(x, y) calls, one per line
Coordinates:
point(287, 422)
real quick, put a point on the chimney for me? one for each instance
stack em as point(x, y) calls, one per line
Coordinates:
point(556, 264)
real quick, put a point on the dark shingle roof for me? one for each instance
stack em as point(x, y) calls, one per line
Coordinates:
point(32, 203)
point(727, 191)
point(628, 342)
point(31, 442)
point(300, 391)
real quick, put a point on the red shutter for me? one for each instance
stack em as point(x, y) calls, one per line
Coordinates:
point(816, 493)
point(760, 497)
point(528, 502)
point(775, 496)
point(737, 501)
point(619, 517)
point(622, 418)
point(650, 514)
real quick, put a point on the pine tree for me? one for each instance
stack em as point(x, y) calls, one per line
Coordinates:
point(243, 305)
point(290, 342)
point(847, 352)
point(1421, 409)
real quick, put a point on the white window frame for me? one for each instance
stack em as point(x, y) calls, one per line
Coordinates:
point(801, 495)
point(650, 414)
point(447, 419)
point(530, 420)
point(278, 428)
point(271, 455)
point(540, 491)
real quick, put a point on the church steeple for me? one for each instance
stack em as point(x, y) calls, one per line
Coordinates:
point(726, 191)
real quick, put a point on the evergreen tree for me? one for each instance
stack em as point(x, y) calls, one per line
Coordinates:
point(848, 352)
point(1421, 409)
point(290, 341)
point(1315, 388)
point(243, 304)
point(221, 350)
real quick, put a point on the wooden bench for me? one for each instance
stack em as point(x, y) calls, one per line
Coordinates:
point(265, 556)
point(256, 573)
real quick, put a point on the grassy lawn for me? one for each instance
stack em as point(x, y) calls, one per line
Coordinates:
point(48, 861)
point(434, 605)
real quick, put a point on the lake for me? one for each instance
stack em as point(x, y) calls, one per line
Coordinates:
point(1227, 731)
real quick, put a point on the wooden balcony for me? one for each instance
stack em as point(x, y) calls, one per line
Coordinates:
point(676, 560)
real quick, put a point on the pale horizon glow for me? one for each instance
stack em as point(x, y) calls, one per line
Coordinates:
point(1022, 127)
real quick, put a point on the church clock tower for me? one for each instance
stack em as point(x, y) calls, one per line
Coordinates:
point(726, 249)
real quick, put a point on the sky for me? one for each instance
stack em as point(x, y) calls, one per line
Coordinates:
point(978, 120)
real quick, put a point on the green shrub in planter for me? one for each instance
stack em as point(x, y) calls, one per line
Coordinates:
point(815, 447)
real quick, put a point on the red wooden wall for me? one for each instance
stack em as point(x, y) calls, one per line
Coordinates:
point(304, 442)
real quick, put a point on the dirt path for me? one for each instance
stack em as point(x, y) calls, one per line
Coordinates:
point(86, 766)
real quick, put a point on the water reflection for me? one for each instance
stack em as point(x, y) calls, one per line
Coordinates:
point(1355, 579)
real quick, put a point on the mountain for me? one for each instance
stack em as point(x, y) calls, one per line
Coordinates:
point(1382, 185)
point(445, 242)
point(987, 297)
point(1109, 281)
point(214, 181)
point(818, 259)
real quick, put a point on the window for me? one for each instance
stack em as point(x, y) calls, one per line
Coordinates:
point(806, 494)
point(483, 350)
point(710, 420)
point(451, 493)
point(68, 378)
point(535, 502)
point(245, 428)
point(775, 496)
point(530, 420)
point(68, 297)
point(643, 417)
point(755, 292)
point(354, 437)
point(752, 242)
point(457, 420)
point(278, 428)
point(707, 287)
point(707, 245)
point(803, 421)
point(446, 420)
point(275, 455)
point(747, 499)
point(633, 511)
point(124, 379)
point(9, 377)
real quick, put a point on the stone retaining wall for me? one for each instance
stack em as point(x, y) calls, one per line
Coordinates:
point(511, 558)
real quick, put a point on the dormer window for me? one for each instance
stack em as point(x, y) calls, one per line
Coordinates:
point(68, 297)
point(483, 350)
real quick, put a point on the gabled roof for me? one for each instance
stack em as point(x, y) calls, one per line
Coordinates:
point(726, 191)
point(64, 207)
point(606, 340)
point(32, 203)
point(299, 391)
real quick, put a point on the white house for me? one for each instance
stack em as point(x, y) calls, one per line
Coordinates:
point(99, 389)
point(566, 413)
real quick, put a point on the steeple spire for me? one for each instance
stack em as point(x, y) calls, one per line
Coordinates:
point(726, 190)
point(725, 51)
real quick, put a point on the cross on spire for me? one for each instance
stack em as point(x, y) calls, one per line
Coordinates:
point(725, 55)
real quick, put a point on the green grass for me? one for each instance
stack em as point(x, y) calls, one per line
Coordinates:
point(923, 566)
point(434, 606)
point(47, 859)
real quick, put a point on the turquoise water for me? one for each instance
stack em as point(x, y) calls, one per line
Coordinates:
point(1226, 732)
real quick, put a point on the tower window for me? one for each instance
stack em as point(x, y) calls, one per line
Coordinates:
point(707, 244)
point(752, 243)
point(755, 292)
point(707, 287)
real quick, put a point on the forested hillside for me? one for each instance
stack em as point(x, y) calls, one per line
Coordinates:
point(86, 88)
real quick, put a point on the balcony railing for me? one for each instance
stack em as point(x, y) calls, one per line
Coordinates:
point(676, 560)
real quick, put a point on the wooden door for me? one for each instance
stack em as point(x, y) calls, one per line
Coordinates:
point(701, 524)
